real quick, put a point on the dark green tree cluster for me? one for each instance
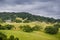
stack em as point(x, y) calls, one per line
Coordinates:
point(4, 37)
point(12, 38)
point(9, 27)
point(51, 30)
point(6, 27)
point(2, 28)
point(27, 28)
point(12, 16)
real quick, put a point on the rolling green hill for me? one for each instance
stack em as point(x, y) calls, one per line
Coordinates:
point(31, 36)
point(12, 16)
point(24, 18)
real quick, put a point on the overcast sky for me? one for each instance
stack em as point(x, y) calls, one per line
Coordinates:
point(49, 8)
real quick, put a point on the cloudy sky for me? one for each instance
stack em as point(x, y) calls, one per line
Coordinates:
point(48, 8)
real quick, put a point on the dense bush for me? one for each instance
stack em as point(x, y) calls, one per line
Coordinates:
point(3, 36)
point(13, 38)
point(8, 27)
point(26, 28)
point(36, 28)
point(16, 38)
point(51, 30)
point(2, 27)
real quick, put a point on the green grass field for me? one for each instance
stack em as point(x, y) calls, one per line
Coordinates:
point(31, 36)
point(36, 35)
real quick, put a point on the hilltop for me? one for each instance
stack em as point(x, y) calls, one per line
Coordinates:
point(25, 15)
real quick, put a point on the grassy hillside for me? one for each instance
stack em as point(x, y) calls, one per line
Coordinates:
point(31, 24)
point(43, 24)
point(35, 35)
point(31, 36)
point(23, 19)
point(12, 16)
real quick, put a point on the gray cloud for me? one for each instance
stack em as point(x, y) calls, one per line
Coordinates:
point(49, 8)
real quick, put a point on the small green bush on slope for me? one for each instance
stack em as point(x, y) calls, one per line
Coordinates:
point(51, 30)
point(6, 27)
point(26, 28)
point(9, 27)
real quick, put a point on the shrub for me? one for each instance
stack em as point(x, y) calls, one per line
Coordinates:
point(16, 38)
point(26, 28)
point(3, 36)
point(8, 26)
point(11, 37)
point(36, 28)
point(2, 27)
point(51, 30)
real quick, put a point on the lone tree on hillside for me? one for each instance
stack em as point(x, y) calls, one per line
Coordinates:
point(51, 30)
point(16, 38)
point(9, 27)
point(13, 38)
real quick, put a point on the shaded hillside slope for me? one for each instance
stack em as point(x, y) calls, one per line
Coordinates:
point(30, 36)
point(13, 15)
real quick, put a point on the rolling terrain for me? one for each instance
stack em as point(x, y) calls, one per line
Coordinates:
point(23, 18)
point(31, 36)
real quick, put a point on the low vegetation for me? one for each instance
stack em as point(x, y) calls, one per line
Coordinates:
point(4, 16)
point(25, 26)
point(57, 25)
point(4, 37)
point(6, 27)
point(12, 38)
point(51, 30)
point(36, 28)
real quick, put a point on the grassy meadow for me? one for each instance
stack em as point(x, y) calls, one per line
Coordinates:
point(35, 35)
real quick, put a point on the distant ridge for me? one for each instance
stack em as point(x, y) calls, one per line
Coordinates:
point(13, 15)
